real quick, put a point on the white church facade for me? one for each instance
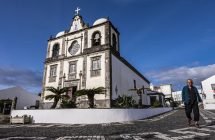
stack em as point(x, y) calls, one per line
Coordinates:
point(85, 57)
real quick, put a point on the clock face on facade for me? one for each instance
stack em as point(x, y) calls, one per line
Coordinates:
point(74, 48)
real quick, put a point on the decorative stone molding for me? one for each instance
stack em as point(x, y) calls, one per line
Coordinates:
point(85, 39)
point(96, 49)
point(44, 82)
point(51, 59)
point(63, 46)
point(107, 33)
point(108, 77)
point(84, 77)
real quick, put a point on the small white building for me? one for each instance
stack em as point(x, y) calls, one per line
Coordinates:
point(85, 57)
point(208, 89)
point(177, 96)
point(154, 96)
point(166, 89)
point(24, 98)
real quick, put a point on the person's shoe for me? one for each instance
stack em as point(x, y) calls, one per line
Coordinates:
point(196, 124)
point(189, 122)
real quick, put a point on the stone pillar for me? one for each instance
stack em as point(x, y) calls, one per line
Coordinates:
point(108, 78)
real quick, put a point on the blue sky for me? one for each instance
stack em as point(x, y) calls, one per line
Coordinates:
point(166, 40)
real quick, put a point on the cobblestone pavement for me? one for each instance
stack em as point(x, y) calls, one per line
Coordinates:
point(169, 126)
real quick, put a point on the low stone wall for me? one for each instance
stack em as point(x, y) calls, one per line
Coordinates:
point(89, 116)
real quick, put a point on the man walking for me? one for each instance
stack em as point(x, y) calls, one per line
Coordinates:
point(191, 98)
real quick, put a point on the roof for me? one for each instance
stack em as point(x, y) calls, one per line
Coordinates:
point(100, 21)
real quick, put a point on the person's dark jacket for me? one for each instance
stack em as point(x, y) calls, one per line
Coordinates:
point(185, 95)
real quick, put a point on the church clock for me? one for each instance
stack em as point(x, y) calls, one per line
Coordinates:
point(74, 48)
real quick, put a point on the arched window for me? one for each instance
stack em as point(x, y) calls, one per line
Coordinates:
point(96, 38)
point(114, 41)
point(55, 50)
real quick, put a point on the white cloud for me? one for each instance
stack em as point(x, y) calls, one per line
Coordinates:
point(178, 76)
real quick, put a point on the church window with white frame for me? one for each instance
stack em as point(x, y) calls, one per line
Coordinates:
point(53, 73)
point(95, 66)
point(72, 70)
point(96, 38)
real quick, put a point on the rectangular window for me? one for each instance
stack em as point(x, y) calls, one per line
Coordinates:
point(72, 70)
point(53, 73)
point(213, 87)
point(96, 66)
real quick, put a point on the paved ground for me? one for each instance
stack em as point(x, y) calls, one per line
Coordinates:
point(169, 126)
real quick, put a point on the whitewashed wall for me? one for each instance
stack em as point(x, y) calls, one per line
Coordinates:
point(207, 89)
point(210, 106)
point(89, 116)
point(166, 89)
point(177, 96)
point(123, 80)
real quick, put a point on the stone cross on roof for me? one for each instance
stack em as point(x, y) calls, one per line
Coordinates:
point(77, 10)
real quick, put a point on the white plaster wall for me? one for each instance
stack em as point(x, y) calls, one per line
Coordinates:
point(122, 79)
point(209, 106)
point(94, 116)
point(101, 29)
point(177, 96)
point(166, 89)
point(207, 89)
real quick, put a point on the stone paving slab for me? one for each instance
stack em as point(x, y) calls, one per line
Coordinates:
point(169, 126)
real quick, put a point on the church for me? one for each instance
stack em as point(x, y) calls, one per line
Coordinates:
point(85, 57)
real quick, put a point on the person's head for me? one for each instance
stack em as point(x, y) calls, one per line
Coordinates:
point(189, 82)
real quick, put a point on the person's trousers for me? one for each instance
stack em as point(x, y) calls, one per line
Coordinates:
point(192, 107)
